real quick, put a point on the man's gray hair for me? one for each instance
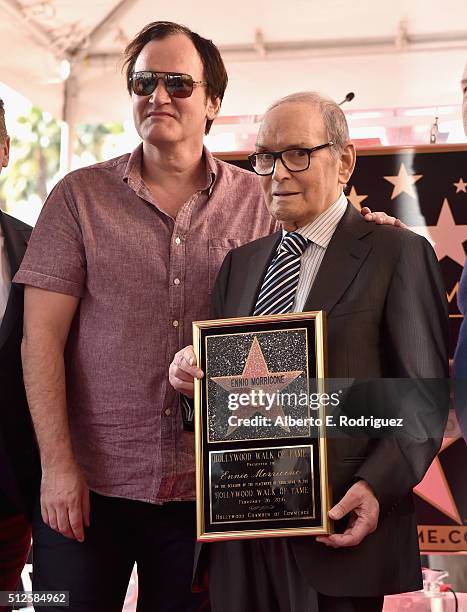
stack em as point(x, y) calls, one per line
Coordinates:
point(3, 132)
point(333, 118)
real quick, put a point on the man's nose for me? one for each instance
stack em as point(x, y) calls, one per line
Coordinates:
point(160, 94)
point(280, 171)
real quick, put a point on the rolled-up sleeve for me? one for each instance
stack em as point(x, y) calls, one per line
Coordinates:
point(55, 259)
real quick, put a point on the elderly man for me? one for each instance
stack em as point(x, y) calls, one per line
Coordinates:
point(387, 318)
point(19, 465)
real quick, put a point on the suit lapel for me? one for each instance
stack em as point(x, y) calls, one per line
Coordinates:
point(345, 254)
point(254, 271)
point(16, 241)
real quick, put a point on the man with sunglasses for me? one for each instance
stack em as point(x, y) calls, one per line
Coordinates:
point(386, 319)
point(122, 260)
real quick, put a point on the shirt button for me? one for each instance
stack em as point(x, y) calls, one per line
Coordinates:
point(168, 412)
point(177, 240)
point(176, 281)
point(175, 323)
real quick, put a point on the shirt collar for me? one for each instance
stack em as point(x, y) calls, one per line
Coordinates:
point(132, 174)
point(321, 230)
point(211, 170)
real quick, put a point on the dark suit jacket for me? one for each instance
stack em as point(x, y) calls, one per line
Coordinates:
point(387, 317)
point(19, 466)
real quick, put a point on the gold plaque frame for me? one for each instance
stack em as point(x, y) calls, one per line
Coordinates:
point(309, 452)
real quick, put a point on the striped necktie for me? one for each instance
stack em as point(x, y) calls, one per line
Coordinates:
point(279, 287)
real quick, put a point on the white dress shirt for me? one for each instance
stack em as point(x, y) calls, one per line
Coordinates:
point(320, 231)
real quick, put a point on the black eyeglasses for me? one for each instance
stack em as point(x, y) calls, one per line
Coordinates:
point(295, 160)
point(178, 85)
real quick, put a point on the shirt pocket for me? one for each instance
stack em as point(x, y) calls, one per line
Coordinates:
point(218, 249)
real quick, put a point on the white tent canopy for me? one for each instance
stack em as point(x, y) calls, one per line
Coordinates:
point(391, 54)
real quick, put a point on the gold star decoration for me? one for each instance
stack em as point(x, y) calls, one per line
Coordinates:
point(256, 367)
point(403, 182)
point(356, 199)
point(460, 186)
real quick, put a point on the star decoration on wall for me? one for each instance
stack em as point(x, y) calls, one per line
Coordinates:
point(460, 186)
point(434, 488)
point(446, 237)
point(255, 367)
point(356, 199)
point(403, 182)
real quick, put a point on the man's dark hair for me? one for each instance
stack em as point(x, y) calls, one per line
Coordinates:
point(3, 132)
point(214, 70)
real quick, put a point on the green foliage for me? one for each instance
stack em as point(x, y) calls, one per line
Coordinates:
point(35, 154)
point(90, 139)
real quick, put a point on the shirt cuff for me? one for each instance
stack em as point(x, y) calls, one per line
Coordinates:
point(50, 283)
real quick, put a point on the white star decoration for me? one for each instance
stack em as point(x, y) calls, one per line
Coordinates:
point(356, 199)
point(434, 488)
point(403, 182)
point(446, 237)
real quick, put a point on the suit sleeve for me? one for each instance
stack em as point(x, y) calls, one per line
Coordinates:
point(415, 338)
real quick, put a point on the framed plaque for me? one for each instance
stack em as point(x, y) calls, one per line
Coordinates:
point(260, 417)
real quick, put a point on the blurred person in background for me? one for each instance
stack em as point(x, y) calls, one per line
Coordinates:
point(456, 565)
point(18, 452)
point(460, 357)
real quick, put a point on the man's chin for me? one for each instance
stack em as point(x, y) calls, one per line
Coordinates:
point(160, 135)
point(282, 214)
point(288, 223)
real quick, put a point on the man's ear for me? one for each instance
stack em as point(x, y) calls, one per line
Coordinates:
point(213, 108)
point(347, 163)
point(6, 152)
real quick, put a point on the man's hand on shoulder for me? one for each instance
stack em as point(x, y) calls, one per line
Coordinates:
point(361, 503)
point(65, 500)
point(381, 218)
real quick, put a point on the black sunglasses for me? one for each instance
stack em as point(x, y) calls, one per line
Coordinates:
point(178, 85)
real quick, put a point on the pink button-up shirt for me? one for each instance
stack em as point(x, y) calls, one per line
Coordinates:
point(142, 277)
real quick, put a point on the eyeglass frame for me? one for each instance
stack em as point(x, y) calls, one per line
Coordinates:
point(278, 155)
point(163, 75)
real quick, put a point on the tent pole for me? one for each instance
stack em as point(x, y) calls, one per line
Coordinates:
point(64, 149)
point(68, 127)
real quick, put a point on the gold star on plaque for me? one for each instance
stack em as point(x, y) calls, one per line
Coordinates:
point(356, 199)
point(403, 182)
point(256, 377)
point(460, 186)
